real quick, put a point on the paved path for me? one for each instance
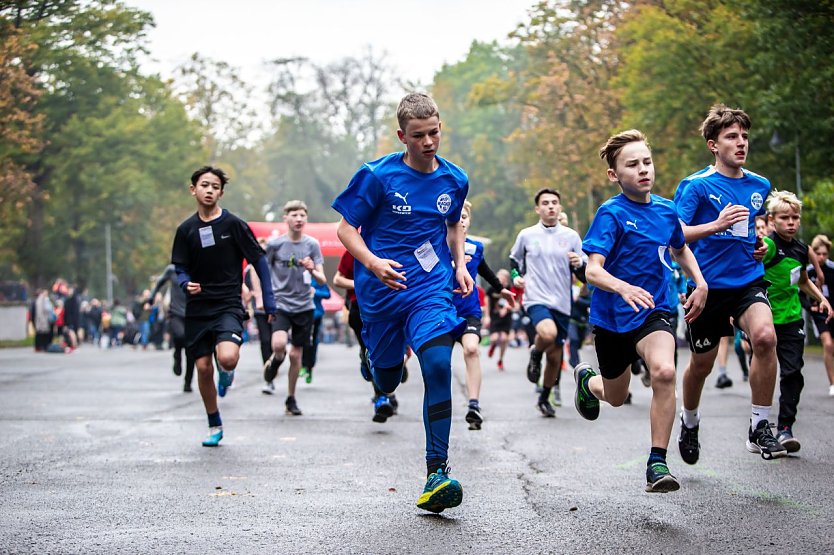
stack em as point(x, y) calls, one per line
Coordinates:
point(100, 453)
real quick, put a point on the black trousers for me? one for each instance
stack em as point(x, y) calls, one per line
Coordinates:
point(790, 346)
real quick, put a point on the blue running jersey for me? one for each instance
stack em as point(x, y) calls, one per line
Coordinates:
point(634, 238)
point(402, 216)
point(471, 305)
point(725, 258)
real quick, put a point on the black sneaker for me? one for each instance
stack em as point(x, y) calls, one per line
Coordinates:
point(382, 409)
point(474, 418)
point(394, 403)
point(405, 374)
point(586, 404)
point(785, 437)
point(177, 367)
point(761, 441)
point(546, 408)
point(186, 388)
point(723, 382)
point(292, 406)
point(688, 443)
point(271, 368)
point(659, 479)
point(534, 367)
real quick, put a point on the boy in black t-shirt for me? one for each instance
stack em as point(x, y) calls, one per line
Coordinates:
point(209, 248)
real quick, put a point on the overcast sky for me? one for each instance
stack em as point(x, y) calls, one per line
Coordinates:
point(418, 36)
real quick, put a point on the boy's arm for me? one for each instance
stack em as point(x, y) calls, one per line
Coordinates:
point(382, 268)
point(455, 238)
point(598, 276)
point(340, 280)
point(486, 272)
point(256, 288)
point(696, 301)
point(729, 216)
point(807, 286)
point(820, 276)
point(267, 294)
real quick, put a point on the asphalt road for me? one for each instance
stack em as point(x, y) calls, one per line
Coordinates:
point(100, 453)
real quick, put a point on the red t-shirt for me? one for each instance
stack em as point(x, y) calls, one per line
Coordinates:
point(346, 269)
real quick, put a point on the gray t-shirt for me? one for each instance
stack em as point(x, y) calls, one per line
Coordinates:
point(290, 281)
point(542, 254)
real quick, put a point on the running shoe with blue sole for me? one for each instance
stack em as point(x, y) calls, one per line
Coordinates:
point(224, 381)
point(440, 492)
point(214, 436)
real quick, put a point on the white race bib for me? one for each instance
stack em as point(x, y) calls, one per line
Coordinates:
point(739, 229)
point(206, 236)
point(426, 256)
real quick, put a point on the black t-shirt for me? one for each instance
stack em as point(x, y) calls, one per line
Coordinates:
point(212, 253)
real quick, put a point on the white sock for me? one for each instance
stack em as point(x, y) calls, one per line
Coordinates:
point(722, 370)
point(758, 413)
point(691, 418)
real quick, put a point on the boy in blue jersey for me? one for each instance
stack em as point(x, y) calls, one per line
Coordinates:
point(469, 308)
point(628, 247)
point(208, 252)
point(717, 207)
point(408, 205)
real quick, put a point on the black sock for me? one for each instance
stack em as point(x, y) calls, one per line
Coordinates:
point(473, 403)
point(214, 420)
point(434, 466)
point(657, 454)
point(545, 394)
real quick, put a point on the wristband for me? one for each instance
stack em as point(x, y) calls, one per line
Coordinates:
point(514, 273)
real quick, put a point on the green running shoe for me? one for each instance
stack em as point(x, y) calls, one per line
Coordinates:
point(660, 480)
point(441, 492)
point(586, 404)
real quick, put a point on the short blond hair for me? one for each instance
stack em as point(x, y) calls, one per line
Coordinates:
point(416, 106)
point(293, 205)
point(821, 241)
point(468, 207)
point(783, 200)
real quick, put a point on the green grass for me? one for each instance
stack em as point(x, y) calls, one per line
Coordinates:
point(8, 343)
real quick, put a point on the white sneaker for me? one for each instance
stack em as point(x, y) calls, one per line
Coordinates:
point(831, 391)
point(268, 388)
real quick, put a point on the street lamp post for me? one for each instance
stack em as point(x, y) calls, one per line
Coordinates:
point(109, 262)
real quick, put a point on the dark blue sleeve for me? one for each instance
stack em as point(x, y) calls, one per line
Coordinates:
point(182, 278)
point(262, 269)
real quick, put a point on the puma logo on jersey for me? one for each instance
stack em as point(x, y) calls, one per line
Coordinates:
point(632, 224)
point(716, 198)
point(401, 209)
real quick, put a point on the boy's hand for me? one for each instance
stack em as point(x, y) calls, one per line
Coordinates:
point(760, 250)
point(574, 259)
point(193, 288)
point(636, 297)
point(465, 282)
point(695, 303)
point(824, 306)
point(307, 263)
point(383, 269)
point(509, 295)
point(731, 215)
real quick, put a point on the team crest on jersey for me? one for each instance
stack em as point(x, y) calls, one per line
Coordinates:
point(444, 202)
point(756, 200)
